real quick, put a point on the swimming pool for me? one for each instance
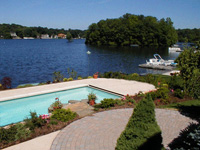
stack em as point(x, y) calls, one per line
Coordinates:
point(17, 110)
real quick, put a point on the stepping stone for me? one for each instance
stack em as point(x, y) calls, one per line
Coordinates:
point(73, 101)
point(84, 100)
point(81, 108)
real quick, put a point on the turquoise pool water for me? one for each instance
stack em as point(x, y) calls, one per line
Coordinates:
point(17, 110)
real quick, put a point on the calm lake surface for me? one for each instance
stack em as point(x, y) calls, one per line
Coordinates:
point(34, 61)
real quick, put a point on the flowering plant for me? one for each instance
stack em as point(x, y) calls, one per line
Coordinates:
point(128, 98)
point(96, 73)
point(56, 105)
point(45, 117)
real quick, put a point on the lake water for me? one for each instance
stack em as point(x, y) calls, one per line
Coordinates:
point(34, 61)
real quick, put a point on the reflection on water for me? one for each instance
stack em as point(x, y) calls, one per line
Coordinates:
point(32, 61)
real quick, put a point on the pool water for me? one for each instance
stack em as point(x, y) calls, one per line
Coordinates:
point(17, 110)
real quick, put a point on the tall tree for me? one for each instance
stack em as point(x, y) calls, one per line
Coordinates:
point(69, 36)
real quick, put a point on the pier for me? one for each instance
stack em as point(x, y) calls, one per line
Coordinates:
point(157, 67)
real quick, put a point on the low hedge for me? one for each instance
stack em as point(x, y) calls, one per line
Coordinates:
point(142, 131)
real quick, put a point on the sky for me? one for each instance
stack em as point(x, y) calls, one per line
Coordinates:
point(79, 14)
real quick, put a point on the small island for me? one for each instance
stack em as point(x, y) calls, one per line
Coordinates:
point(132, 30)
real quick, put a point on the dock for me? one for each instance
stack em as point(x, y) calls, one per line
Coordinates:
point(157, 67)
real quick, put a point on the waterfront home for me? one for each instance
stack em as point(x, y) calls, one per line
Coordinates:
point(61, 36)
point(44, 36)
point(14, 35)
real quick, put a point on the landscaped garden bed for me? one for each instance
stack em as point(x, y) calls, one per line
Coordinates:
point(35, 126)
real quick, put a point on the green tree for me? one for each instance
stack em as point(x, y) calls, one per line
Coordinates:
point(69, 36)
point(189, 65)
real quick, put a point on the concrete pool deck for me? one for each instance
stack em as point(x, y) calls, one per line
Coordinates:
point(119, 86)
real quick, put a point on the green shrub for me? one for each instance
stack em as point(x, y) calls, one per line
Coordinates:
point(153, 95)
point(142, 131)
point(44, 83)
point(14, 133)
point(164, 85)
point(107, 103)
point(90, 77)
point(176, 82)
point(65, 79)
point(119, 102)
point(117, 75)
point(22, 132)
point(149, 78)
point(193, 86)
point(34, 121)
point(53, 121)
point(8, 135)
point(26, 85)
point(179, 93)
point(162, 93)
point(135, 75)
point(80, 78)
point(70, 79)
point(63, 115)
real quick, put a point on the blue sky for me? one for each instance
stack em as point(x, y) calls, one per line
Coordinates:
point(79, 14)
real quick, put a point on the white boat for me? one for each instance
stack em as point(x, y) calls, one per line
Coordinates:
point(157, 60)
point(175, 48)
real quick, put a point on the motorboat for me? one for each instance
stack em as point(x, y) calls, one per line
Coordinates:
point(175, 48)
point(157, 60)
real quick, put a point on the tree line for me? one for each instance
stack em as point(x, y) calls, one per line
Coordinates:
point(23, 31)
point(188, 35)
point(132, 29)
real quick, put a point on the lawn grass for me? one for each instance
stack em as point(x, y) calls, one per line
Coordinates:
point(185, 103)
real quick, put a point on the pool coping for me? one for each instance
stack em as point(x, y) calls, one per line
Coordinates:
point(57, 90)
point(41, 92)
point(108, 91)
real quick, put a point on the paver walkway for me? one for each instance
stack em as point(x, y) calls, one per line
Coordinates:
point(101, 131)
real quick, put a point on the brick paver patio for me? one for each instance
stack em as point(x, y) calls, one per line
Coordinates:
point(101, 131)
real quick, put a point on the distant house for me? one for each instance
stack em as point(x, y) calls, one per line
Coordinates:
point(44, 36)
point(62, 36)
point(54, 37)
point(14, 35)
